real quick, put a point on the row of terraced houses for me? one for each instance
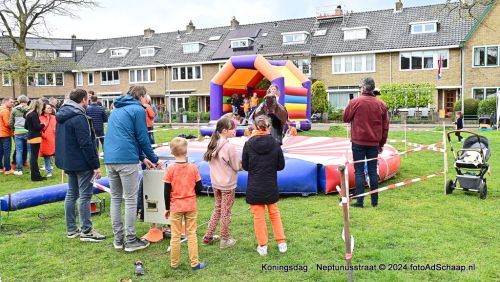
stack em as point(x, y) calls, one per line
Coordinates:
point(400, 45)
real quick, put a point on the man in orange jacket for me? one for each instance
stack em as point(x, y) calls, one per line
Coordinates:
point(5, 136)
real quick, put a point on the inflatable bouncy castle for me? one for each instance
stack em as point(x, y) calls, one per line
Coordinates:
point(241, 74)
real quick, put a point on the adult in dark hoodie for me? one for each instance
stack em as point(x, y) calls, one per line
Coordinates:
point(262, 157)
point(369, 128)
point(76, 154)
point(34, 127)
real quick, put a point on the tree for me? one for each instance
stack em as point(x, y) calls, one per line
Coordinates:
point(465, 8)
point(21, 18)
point(319, 103)
point(407, 95)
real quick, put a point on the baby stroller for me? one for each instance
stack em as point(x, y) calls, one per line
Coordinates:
point(471, 164)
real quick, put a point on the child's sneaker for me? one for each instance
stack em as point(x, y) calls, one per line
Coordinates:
point(73, 234)
point(18, 172)
point(92, 236)
point(227, 243)
point(210, 241)
point(49, 174)
point(118, 245)
point(136, 245)
point(8, 172)
point(282, 247)
point(262, 250)
point(200, 265)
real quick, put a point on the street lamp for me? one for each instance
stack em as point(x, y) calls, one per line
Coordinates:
point(167, 96)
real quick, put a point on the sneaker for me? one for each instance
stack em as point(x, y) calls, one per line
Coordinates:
point(357, 205)
point(118, 244)
point(200, 265)
point(26, 165)
point(2, 169)
point(92, 236)
point(8, 172)
point(227, 243)
point(73, 234)
point(49, 174)
point(43, 178)
point(136, 245)
point(374, 205)
point(42, 168)
point(282, 247)
point(18, 172)
point(210, 241)
point(262, 250)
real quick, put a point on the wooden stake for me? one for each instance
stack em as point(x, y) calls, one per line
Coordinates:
point(345, 209)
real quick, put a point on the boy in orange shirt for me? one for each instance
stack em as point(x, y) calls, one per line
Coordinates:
point(254, 102)
point(182, 180)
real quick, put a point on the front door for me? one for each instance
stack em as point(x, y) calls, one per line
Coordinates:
point(450, 97)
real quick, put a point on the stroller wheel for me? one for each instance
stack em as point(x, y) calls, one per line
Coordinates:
point(450, 186)
point(483, 190)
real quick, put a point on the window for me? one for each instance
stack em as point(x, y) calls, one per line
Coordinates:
point(79, 48)
point(355, 33)
point(147, 52)
point(485, 92)
point(188, 48)
point(304, 66)
point(120, 52)
point(486, 56)
point(419, 60)
point(29, 53)
point(79, 79)
point(110, 77)
point(6, 79)
point(264, 34)
point(46, 79)
point(91, 78)
point(240, 43)
point(102, 50)
point(45, 55)
point(294, 37)
point(65, 55)
point(142, 75)
point(214, 38)
point(319, 32)
point(354, 64)
point(186, 73)
point(423, 27)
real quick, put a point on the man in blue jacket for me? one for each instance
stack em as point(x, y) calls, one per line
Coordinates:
point(125, 144)
point(99, 117)
point(76, 154)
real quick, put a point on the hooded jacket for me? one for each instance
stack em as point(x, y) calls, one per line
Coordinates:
point(5, 129)
point(76, 148)
point(369, 120)
point(224, 166)
point(127, 139)
point(17, 119)
point(262, 158)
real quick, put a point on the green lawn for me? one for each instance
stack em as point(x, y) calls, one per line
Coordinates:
point(415, 224)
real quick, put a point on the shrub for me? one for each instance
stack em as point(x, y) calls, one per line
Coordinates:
point(407, 95)
point(193, 103)
point(335, 114)
point(487, 106)
point(319, 103)
point(470, 106)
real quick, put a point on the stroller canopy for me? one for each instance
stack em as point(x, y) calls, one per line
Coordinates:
point(482, 143)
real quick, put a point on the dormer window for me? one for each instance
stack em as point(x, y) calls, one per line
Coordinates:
point(65, 55)
point(119, 52)
point(298, 37)
point(423, 27)
point(148, 51)
point(354, 33)
point(102, 50)
point(192, 47)
point(241, 42)
point(319, 32)
point(214, 38)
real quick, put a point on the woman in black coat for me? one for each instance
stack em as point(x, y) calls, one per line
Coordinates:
point(34, 127)
point(263, 158)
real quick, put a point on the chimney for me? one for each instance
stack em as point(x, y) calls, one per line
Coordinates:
point(190, 27)
point(234, 23)
point(148, 33)
point(399, 7)
point(73, 36)
point(338, 11)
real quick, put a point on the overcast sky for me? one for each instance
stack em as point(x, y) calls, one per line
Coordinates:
point(116, 18)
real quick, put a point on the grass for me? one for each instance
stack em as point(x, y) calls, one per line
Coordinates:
point(415, 224)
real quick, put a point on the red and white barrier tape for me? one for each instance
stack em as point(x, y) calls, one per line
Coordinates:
point(399, 184)
point(396, 141)
point(396, 154)
point(432, 148)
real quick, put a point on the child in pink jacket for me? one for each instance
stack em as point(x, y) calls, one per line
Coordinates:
point(224, 166)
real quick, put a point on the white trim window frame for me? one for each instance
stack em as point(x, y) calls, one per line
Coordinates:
point(90, 81)
point(48, 79)
point(304, 65)
point(423, 27)
point(296, 37)
point(118, 52)
point(65, 54)
point(142, 76)
point(485, 56)
point(354, 64)
point(427, 60)
point(183, 73)
point(484, 92)
point(7, 82)
point(355, 33)
point(147, 51)
point(79, 79)
point(111, 77)
point(191, 47)
point(240, 42)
